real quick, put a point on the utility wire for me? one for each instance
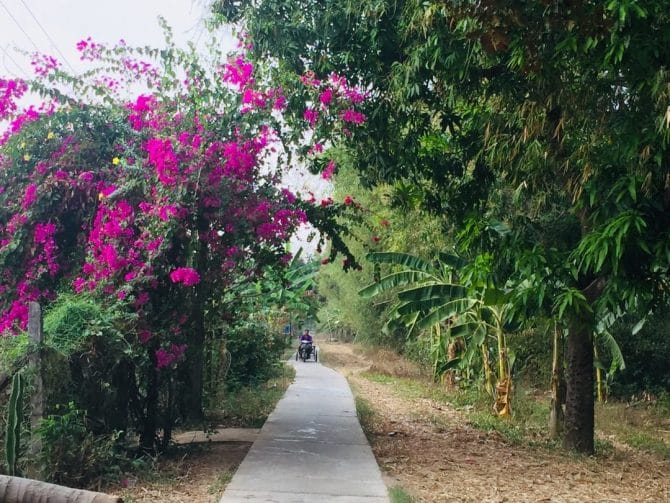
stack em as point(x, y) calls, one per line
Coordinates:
point(19, 25)
point(9, 56)
point(48, 36)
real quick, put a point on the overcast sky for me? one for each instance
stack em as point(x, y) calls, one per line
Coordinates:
point(51, 26)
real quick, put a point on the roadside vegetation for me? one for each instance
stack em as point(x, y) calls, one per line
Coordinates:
point(437, 444)
point(497, 235)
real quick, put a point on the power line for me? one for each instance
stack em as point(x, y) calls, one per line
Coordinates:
point(48, 36)
point(9, 56)
point(20, 27)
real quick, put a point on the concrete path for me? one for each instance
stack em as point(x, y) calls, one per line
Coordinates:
point(311, 448)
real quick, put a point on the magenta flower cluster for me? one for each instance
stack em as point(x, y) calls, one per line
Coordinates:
point(185, 275)
point(336, 102)
point(172, 183)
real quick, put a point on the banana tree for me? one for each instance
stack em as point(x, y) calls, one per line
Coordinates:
point(456, 301)
point(404, 313)
point(479, 320)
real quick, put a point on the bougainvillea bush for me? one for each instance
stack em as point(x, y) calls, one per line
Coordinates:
point(153, 184)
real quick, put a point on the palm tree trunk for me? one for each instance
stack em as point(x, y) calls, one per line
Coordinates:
point(20, 490)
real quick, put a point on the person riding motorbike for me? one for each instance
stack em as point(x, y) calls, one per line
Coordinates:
point(306, 342)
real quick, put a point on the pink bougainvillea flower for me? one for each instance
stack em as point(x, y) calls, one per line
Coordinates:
point(279, 103)
point(86, 176)
point(290, 196)
point(43, 64)
point(10, 91)
point(43, 232)
point(29, 196)
point(326, 97)
point(309, 79)
point(311, 116)
point(144, 336)
point(352, 116)
point(329, 170)
point(238, 72)
point(166, 357)
point(185, 275)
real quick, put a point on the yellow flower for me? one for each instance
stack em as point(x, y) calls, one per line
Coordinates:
point(50, 135)
point(22, 145)
point(26, 157)
point(116, 161)
point(101, 196)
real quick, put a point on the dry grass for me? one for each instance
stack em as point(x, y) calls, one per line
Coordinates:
point(197, 474)
point(639, 426)
point(390, 363)
point(439, 453)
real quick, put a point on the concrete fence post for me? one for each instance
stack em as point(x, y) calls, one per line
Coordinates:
point(37, 397)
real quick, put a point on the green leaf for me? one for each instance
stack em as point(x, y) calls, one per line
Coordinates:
point(445, 312)
point(440, 290)
point(392, 281)
point(452, 260)
point(452, 364)
point(638, 326)
point(402, 259)
point(496, 297)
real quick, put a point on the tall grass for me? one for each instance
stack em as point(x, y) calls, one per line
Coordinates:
point(250, 406)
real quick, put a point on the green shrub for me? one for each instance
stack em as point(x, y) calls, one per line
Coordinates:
point(74, 320)
point(71, 454)
point(13, 352)
point(647, 355)
point(255, 355)
point(87, 360)
point(250, 406)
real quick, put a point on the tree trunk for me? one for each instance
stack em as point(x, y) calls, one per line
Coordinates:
point(579, 404)
point(169, 414)
point(192, 403)
point(556, 416)
point(121, 383)
point(20, 490)
point(150, 424)
point(601, 390)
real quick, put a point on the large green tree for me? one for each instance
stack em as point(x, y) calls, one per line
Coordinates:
point(550, 117)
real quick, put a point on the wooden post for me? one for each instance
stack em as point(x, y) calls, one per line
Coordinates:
point(37, 398)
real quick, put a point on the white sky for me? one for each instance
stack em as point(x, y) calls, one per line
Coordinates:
point(68, 21)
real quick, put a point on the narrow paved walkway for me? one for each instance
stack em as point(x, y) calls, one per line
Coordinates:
point(311, 448)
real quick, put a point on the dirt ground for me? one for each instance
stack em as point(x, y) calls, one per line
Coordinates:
point(429, 450)
point(199, 475)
